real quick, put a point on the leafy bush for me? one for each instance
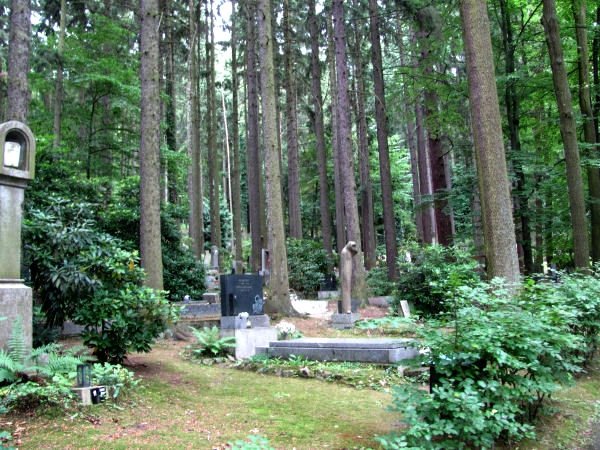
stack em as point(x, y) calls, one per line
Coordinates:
point(493, 363)
point(430, 281)
point(209, 343)
point(378, 282)
point(308, 264)
point(115, 377)
point(87, 275)
point(120, 321)
point(182, 273)
point(42, 333)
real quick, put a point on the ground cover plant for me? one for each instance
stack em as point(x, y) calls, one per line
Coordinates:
point(357, 375)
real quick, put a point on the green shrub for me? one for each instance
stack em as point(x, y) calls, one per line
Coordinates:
point(308, 264)
point(115, 377)
point(121, 218)
point(378, 282)
point(209, 343)
point(430, 281)
point(86, 275)
point(120, 321)
point(494, 361)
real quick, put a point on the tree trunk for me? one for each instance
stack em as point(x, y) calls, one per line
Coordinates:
point(521, 207)
point(429, 31)
point(18, 60)
point(279, 300)
point(214, 157)
point(364, 159)
point(150, 246)
point(170, 104)
point(345, 150)
point(58, 90)
point(494, 188)
point(235, 176)
point(589, 129)
point(319, 128)
point(426, 204)
point(295, 217)
point(568, 131)
point(253, 168)
point(389, 222)
point(196, 222)
point(340, 227)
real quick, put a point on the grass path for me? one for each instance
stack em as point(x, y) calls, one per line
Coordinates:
point(186, 405)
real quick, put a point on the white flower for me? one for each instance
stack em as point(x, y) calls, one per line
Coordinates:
point(285, 328)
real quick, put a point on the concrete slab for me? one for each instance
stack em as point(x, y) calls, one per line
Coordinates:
point(246, 340)
point(376, 350)
point(311, 307)
point(232, 322)
point(344, 321)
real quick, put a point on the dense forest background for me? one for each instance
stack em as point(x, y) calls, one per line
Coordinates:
point(310, 121)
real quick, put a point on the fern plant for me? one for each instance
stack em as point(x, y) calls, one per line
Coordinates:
point(210, 343)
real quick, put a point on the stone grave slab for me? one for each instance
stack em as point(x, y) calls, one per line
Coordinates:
point(370, 350)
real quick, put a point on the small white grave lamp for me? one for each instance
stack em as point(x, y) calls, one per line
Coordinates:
point(17, 164)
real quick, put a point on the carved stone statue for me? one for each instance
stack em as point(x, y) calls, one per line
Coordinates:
point(346, 256)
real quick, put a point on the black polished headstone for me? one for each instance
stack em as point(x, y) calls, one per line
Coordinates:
point(241, 293)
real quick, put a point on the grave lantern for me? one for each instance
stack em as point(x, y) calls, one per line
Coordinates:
point(17, 167)
point(84, 375)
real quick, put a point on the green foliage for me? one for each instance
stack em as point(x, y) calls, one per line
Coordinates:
point(254, 442)
point(209, 343)
point(116, 378)
point(124, 320)
point(182, 273)
point(84, 274)
point(308, 264)
point(388, 325)
point(495, 360)
point(378, 282)
point(357, 375)
point(29, 396)
point(431, 280)
point(42, 333)
point(5, 438)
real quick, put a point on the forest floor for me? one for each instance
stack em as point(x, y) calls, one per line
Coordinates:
point(187, 405)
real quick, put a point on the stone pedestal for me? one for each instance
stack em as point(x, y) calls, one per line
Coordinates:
point(344, 321)
point(235, 322)
point(90, 395)
point(247, 340)
point(15, 304)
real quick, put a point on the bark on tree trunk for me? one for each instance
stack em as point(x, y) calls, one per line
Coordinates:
point(340, 226)
point(170, 105)
point(253, 169)
point(364, 157)
point(196, 220)
point(568, 131)
point(521, 207)
point(345, 150)
point(235, 176)
point(426, 204)
point(214, 157)
point(279, 300)
point(496, 207)
point(317, 101)
point(295, 217)
point(389, 222)
point(58, 90)
point(589, 130)
point(18, 60)
point(150, 245)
